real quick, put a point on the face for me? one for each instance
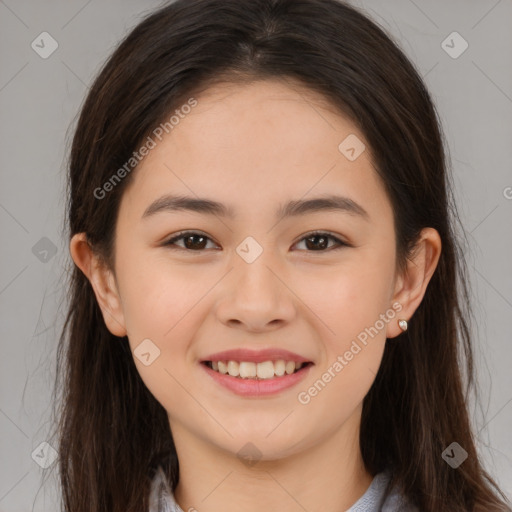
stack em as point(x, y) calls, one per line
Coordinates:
point(319, 283)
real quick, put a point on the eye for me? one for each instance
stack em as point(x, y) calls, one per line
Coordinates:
point(317, 241)
point(194, 240)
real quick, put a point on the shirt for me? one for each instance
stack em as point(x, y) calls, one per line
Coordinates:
point(162, 498)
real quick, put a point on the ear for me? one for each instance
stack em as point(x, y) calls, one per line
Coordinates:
point(102, 281)
point(411, 285)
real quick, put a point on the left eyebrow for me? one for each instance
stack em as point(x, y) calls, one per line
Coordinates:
point(171, 203)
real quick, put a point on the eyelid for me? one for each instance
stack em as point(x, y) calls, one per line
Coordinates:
point(340, 243)
point(336, 237)
point(183, 234)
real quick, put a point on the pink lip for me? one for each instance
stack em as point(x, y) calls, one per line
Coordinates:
point(255, 387)
point(256, 356)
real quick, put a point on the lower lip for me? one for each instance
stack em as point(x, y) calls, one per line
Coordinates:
point(255, 387)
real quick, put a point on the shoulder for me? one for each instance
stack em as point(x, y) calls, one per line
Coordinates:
point(397, 502)
point(161, 498)
point(374, 499)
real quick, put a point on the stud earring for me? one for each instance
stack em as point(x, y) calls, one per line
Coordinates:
point(403, 325)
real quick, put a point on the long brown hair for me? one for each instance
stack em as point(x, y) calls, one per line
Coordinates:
point(112, 433)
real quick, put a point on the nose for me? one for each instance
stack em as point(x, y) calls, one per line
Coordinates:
point(256, 296)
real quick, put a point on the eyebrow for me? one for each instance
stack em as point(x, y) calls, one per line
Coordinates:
point(172, 203)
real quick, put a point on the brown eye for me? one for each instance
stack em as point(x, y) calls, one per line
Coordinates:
point(196, 242)
point(193, 241)
point(319, 242)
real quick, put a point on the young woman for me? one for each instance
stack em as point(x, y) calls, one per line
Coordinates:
point(267, 303)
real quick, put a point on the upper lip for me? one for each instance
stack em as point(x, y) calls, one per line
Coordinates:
point(256, 356)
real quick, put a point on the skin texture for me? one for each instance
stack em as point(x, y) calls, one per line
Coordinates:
point(254, 147)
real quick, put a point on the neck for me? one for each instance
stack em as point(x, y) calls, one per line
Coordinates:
point(329, 475)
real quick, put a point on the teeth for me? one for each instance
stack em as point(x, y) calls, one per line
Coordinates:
point(290, 367)
point(233, 368)
point(265, 370)
point(279, 368)
point(249, 370)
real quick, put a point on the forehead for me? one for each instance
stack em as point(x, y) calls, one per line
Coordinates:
point(262, 90)
point(252, 142)
point(265, 107)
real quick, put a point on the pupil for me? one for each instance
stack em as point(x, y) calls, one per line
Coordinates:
point(193, 246)
point(321, 242)
point(314, 246)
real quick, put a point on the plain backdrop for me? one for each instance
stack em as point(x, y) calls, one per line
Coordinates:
point(39, 99)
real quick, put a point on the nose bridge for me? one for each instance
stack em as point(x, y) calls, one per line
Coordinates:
point(256, 296)
point(255, 266)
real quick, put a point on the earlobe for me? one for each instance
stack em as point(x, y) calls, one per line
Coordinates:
point(102, 281)
point(412, 284)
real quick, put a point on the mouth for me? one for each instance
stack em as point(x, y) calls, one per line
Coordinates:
point(249, 370)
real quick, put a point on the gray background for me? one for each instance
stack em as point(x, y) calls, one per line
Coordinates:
point(39, 99)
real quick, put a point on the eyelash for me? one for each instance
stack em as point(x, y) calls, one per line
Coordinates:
point(184, 234)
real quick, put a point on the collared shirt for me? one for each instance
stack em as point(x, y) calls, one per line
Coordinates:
point(162, 498)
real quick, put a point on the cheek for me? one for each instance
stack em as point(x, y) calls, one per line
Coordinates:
point(161, 308)
point(352, 303)
point(163, 303)
point(339, 388)
point(157, 295)
point(354, 311)
point(350, 298)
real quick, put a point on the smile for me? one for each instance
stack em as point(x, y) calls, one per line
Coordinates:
point(249, 379)
point(255, 371)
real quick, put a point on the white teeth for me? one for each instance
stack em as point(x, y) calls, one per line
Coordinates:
point(247, 370)
point(233, 368)
point(279, 367)
point(265, 370)
point(250, 370)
